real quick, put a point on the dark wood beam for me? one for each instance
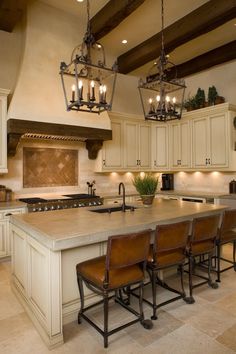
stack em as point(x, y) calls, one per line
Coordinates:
point(210, 15)
point(93, 137)
point(205, 61)
point(11, 12)
point(111, 15)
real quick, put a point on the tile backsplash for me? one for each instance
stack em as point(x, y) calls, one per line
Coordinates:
point(49, 167)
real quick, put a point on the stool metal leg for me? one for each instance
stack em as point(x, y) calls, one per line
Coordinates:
point(234, 251)
point(182, 280)
point(105, 306)
point(154, 292)
point(81, 292)
point(218, 251)
point(211, 283)
point(190, 299)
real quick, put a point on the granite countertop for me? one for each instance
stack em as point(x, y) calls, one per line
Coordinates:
point(184, 193)
point(228, 196)
point(191, 193)
point(69, 228)
point(12, 205)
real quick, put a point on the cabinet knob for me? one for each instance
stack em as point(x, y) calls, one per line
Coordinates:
point(206, 161)
point(155, 163)
point(104, 162)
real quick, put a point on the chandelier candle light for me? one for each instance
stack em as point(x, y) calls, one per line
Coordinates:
point(88, 85)
point(161, 93)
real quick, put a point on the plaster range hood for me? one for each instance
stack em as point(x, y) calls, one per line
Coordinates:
point(37, 108)
point(18, 128)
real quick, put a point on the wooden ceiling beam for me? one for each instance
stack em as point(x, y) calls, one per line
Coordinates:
point(207, 17)
point(205, 61)
point(11, 12)
point(111, 15)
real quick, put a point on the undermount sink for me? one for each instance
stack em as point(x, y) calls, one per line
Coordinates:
point(112, 209)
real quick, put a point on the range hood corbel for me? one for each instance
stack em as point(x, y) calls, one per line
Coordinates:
point(18, 128)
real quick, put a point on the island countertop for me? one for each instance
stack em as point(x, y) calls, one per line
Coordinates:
point(64, 229)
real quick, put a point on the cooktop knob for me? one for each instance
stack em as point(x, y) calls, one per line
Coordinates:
point(45, 208)
point(52, 207)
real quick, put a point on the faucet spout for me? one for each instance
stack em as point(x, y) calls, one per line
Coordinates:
point(121, 185)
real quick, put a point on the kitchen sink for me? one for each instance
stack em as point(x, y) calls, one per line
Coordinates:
point(113, 209)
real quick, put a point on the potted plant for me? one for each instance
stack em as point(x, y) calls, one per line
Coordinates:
point(146, 186)
point(190, 104)
point(212, 94)
point(200, 98)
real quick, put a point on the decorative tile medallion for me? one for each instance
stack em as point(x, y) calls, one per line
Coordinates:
point(47, 167)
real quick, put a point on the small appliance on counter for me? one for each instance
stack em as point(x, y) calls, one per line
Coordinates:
point(5, 194)
point(167, 181)
point(232, 187)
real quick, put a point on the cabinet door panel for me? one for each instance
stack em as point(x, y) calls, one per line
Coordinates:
point(3, 238)
point(112, 151)
point(175, 142)
point(131, 145)
point(160, 147)
point(218, 141)
point(184, 144)
point(200, 130)
point(145, 146)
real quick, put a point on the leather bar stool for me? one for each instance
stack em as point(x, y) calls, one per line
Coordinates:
point(123, 266)
point(202, 243)
point(168, 250)
point(227, 234)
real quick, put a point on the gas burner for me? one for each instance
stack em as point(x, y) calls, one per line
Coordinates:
point(73, 201)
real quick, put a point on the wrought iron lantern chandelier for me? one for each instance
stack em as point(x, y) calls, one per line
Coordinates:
point(162, 94)
point(88, 85)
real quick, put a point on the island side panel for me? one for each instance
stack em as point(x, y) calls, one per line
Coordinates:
point(36, 280)
point(70, 292)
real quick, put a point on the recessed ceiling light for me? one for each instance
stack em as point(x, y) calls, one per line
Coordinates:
point(80, 0)
point(124, 41)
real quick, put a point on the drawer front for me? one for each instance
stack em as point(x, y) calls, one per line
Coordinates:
point(7, 213)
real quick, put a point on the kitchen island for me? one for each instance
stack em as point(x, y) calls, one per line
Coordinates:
point(47, 246)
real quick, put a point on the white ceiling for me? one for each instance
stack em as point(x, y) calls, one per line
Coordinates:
point(145, 21)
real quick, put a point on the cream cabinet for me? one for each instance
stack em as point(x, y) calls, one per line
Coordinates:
point(180, 148)
point(160, 147)
point(112, 152)
point(137, 146)
point(213, 139)
point(5, 242)
point(3, 130)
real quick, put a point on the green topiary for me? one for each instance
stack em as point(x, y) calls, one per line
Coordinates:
point(212, 94)
point(146, 185)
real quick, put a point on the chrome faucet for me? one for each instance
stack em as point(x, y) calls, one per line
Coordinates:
point(123, 187)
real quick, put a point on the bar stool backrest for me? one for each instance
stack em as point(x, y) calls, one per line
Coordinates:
point(171, 237)
point(205, 228)
point(228, 221)
point(127, 250)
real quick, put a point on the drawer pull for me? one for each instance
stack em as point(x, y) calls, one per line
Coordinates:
point(8, 214)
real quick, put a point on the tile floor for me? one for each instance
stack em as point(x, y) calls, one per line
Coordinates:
point(207, 326)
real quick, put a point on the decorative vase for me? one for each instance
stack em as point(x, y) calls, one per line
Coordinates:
point(147, 199)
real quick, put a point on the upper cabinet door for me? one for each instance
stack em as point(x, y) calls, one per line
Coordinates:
point(131, 146)
point(3, 130)
point(113, 149)
point(160, 147)
point(144, 146)
point(211, 142)
point(200, 137)
point(218, 145)
point(180, 145)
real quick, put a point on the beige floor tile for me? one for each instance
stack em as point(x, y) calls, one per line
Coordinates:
point(212, 321)
point(162, 326)
point(9, 305)
point(228, 338)
point(187, 340)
